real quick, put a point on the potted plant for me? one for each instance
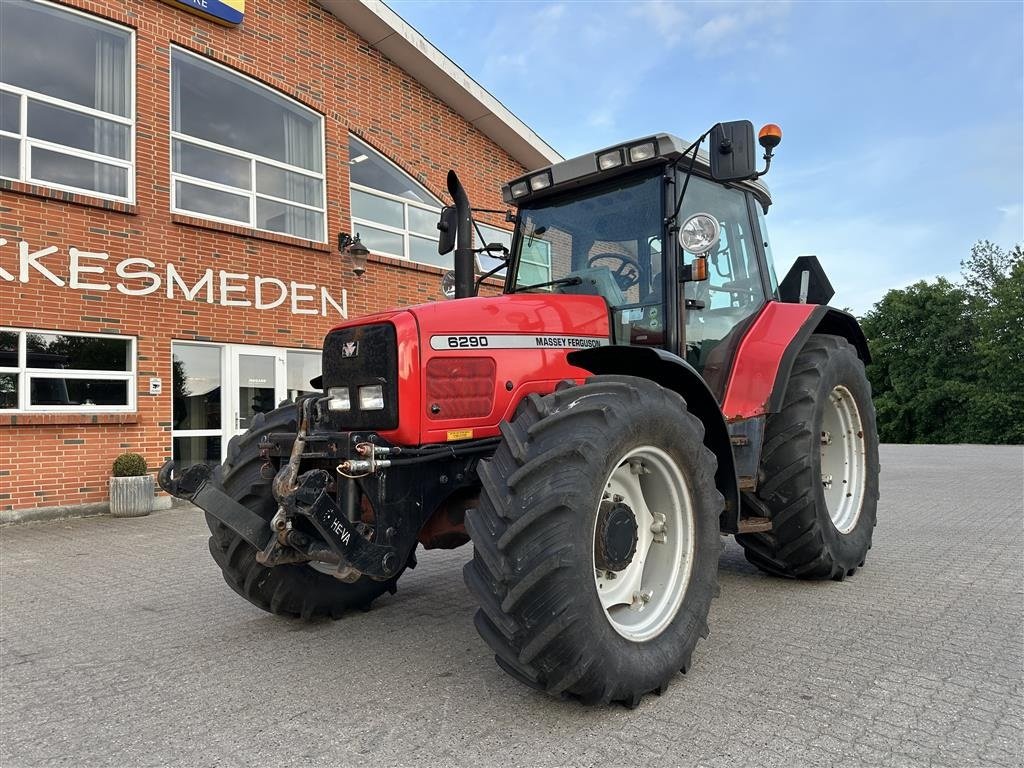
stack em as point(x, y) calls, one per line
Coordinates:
point(131, 487)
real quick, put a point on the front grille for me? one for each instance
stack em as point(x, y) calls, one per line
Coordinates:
point(354, 357)
point(459, 387)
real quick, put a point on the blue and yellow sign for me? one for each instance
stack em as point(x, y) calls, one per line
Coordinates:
point(227, 12)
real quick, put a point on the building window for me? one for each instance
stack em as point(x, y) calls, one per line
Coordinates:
point(57, 371)
point(392, 212)
point(243, 154)
point(491, 235)
point(66, 101)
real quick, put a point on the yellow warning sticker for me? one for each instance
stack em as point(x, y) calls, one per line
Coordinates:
point(460, 434)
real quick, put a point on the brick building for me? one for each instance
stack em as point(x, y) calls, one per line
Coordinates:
point(172, 189)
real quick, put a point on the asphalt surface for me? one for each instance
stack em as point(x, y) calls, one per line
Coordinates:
point(120, 645)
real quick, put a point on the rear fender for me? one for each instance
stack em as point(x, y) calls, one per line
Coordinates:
point(672, 372)
point(763, 366)
point(765, 357)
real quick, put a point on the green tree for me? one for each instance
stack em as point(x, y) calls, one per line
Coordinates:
point(948, 359)
point(921, 338)
point(995, 280)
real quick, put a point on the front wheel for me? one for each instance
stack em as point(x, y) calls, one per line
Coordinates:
point(298, 589)
point(819, 468)
point(596, 540)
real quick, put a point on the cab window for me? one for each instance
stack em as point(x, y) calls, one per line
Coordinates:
point(734, 289)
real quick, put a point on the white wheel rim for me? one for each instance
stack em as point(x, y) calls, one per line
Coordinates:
point(641, 600)
point(843, 459)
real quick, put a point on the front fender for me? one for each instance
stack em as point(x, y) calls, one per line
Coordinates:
point(672, 372)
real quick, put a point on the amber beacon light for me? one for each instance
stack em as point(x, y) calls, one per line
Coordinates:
point(770, 136)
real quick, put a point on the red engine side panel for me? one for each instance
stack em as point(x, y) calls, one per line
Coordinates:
point(518, 371)
point(529, 369)
point(758, 358)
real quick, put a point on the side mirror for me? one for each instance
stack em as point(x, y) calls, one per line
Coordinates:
point(448, 227)
point(732, 151)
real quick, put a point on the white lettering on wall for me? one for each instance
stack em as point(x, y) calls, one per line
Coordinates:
point(153, 277)
point(226, 289)
point(4, 274)
point(28, 259)
point(139, 276)
point(282, 293)
point(297, 297)
point(325, 299)
point(190, 293)
point(77, 269)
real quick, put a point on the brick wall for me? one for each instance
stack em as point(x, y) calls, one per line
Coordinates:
point(304, 51)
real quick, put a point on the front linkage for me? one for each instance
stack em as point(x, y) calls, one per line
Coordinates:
point(321, 516)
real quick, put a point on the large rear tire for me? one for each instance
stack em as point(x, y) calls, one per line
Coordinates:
point(287, 590)
point(596, 541)
point(819, 468)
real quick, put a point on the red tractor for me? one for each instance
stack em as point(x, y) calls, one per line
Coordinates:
point(642, 386)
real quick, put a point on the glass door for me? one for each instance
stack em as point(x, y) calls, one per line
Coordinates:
point(198, 403)
point(258, 376)
point(219, 388)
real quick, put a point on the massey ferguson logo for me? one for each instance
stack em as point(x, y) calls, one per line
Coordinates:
point(350, 349)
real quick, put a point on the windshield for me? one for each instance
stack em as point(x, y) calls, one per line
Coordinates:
point(606, 242)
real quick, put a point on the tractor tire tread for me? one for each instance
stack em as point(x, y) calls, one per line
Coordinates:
point(797, 546)
point(522, 533)
point(294, 590)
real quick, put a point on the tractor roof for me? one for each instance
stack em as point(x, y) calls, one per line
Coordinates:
point(584, 169)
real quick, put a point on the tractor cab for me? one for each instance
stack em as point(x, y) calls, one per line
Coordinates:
point(609, 224)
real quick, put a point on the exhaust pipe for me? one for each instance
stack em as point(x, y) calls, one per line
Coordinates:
point(465, 262)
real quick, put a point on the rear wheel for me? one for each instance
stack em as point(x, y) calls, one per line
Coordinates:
point(288, 590)
point(596, 540)
point(819, 468)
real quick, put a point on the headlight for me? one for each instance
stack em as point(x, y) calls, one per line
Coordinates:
point(699, 233)
point(371, 398)
point(519, 189)
point(540, 181)
point(339, 399)
point(610, 160)
point(641, 152)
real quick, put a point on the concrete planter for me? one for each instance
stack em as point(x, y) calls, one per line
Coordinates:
point(131, 496)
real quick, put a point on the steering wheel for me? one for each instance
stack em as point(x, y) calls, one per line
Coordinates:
point(628, 272)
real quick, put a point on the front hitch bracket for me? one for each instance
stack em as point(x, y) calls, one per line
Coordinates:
point(312, 500)
point(195, 484)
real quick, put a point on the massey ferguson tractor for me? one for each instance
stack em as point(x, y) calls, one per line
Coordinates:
point(642, 386)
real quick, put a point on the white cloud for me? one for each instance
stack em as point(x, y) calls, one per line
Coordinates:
point(1010, 228)
point(716, 30)
point(668, 19)
point(866, 255)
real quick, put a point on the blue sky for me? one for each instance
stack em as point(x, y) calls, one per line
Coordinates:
point(903, 122)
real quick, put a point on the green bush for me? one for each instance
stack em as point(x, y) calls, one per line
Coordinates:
point(129, 465)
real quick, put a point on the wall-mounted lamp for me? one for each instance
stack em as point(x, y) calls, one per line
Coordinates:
point(356, 251)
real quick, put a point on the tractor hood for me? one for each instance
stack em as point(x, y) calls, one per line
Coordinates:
point(528, 314)
point(545, 316)
point(453, 370)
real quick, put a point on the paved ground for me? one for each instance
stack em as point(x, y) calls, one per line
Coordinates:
point(120, 645)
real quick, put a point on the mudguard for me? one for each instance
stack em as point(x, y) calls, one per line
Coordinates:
point(764, 359)
point(672, 372)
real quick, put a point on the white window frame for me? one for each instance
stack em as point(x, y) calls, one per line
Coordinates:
point(26, 374)
point(27, 143)
point(483, 228)
point(253, 159)
point(406, 232)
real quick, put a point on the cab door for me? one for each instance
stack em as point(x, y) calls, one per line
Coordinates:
point(718, 310)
